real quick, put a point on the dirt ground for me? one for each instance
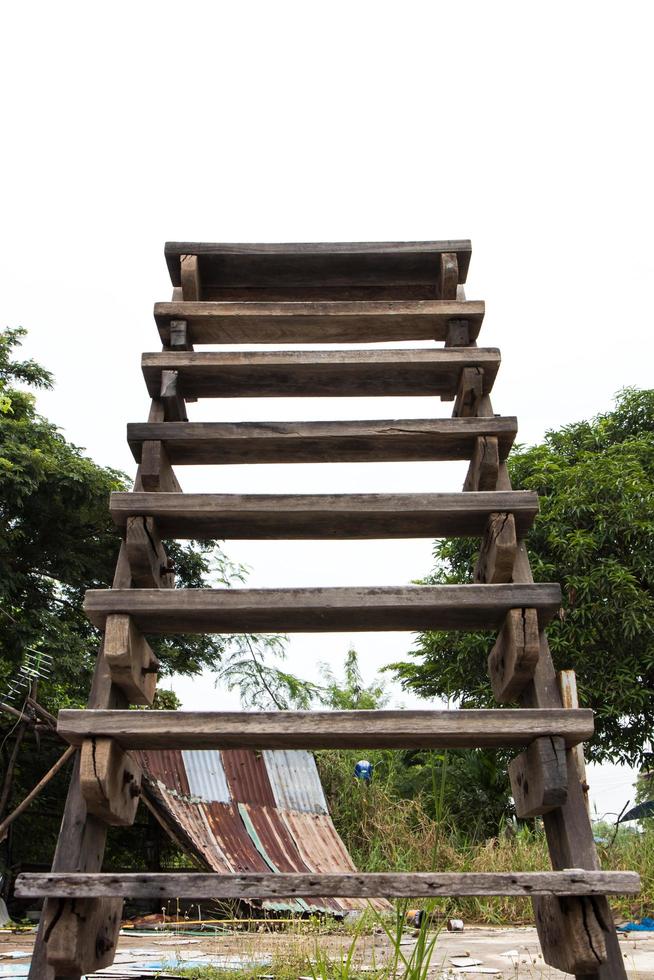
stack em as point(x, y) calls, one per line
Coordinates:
point(507, 953)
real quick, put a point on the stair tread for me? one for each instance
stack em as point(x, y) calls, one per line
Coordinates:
point(247, 374)
point(350, 267)
point(416, 607)
point(200, 515)
point(327, 442)
point(345, 884)
point(467, 728)
point(317, 322)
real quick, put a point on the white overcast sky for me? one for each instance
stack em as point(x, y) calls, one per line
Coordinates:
point(525, 127)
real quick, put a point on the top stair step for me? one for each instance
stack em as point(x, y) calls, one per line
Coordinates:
point(351, 322)
point(340, 269)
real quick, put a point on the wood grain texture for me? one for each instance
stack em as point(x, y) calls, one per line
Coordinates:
point(513, 660)
point(317, 322)
point(448, 275)
point(324, 729)
point(539, 777)
point(130, 660)
point(146, 555)
point(483, 471)
point(189, 443)
point(110, 781)
point(249, 374)
point(222, 516)
point(172, 397)
point(316, 610)
point(498, 550)
point(346, 885)
point(322, 265)
point(81, 936)
point(178, 338)
point(472, 386)
point(190, 278)
point(574, 936)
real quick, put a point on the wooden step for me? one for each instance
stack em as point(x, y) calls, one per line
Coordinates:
point(246, 374)
point(516, 727)
point(339, 269)
point(412, 607)
point(199, 884)
point(402, 515)
point(317, 322)
point(321, 442)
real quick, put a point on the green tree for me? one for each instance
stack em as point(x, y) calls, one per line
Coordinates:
point(595, 536)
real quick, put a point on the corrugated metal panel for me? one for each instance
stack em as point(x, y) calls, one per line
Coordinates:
point(206, 776)
point(247, 777)
point(295, 781)
point(225, 824)
point(167, 765)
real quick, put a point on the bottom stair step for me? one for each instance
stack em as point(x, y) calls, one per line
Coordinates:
point(351, 885)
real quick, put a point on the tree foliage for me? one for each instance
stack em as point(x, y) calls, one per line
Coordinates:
point(595, 536)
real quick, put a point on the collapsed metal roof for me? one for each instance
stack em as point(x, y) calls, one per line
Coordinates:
point(245, 811)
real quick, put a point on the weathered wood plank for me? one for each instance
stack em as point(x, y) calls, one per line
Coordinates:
point(320, 442)
point(172, 397)
point(448, 277)
point(200, 515)
point(146, 555)
point(498, 550)
point(413, 607)
point(178, 339)
point(266, 374)
point(130, 660)
point(324, 729)
point(190, 278)
point(574, 933)
point(81, 935)
point(110, 781)
point(513, 660)
point(317, 322)
point(484, 466)
point(340, 267)
point(346, 885)
point(539, 777)
point(472, 386)
point(459, 332)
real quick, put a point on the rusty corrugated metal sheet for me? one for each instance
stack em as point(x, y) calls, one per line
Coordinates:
point(247, 777)
point(295, 781)
point(270, 815)
point(168, 766)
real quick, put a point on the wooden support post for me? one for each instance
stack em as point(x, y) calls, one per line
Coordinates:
point(131, 663)
point(110, 781)
point(484, 465)
point(570, 698)
point(469, 394)
point(458, 333)
point(499, 547)
point(148, 562)
point(190, 272)
point(539, 777)
point(172, 398)
point(448, 277)
point(513, 659)
point(81, 936)
point(573, 934)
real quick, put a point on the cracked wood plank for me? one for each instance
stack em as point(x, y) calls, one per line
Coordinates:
point(539, 777)
point(148, 562)
point(498, 550)
point(513, 659)
point(484, 465)
point(329, 442)
point(345, 885)
point(80, 935)
point(110, 781)
point(324, 729)
point(130, 660)
point(572, 934)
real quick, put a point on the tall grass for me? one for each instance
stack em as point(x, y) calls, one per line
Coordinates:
point(387, 833)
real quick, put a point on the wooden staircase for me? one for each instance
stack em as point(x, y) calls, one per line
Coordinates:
point(319, 294)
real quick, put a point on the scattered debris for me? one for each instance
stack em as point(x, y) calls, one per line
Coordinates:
point(455, 925)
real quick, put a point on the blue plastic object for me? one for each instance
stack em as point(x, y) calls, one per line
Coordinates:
point(363, 770)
